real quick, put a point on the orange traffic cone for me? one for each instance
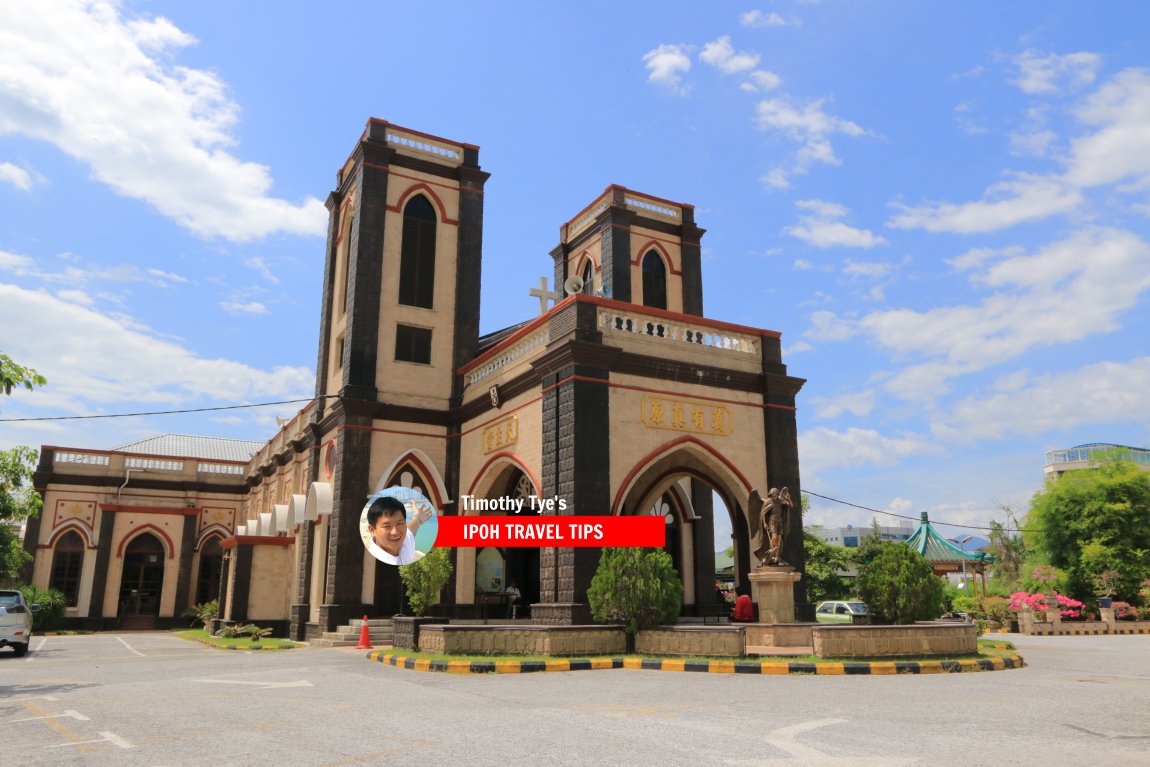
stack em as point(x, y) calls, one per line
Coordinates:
point(364, 637)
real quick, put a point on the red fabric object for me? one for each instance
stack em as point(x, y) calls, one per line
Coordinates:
point(744, 610)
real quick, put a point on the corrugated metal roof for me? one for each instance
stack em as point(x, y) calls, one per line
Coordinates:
point(186, 446)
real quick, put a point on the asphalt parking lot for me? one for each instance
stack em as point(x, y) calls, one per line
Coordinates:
point(153, 699)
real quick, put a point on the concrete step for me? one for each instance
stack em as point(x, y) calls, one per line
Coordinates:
point(343, 636)
point(333, 643)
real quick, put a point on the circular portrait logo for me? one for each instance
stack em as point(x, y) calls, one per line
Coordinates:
point(398, 525)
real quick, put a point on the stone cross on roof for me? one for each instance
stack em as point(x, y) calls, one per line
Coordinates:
point(544, 295)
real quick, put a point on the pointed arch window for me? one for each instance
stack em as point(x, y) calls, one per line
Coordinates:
point(67, 564)
point(654, 281)
point(588, 279)
point(417, 254)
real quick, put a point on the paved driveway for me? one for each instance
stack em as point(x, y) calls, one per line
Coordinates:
point(152, 699)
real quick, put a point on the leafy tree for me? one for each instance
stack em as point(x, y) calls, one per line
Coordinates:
point(13, 376)
point(18, 501)
point(1009, 552)
point(424, 578)
point(636, 587)
point(899, 585)
point(824, 565)
point(1093, 520)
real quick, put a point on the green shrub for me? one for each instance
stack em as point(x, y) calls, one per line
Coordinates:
point(424, 578)
point(635, 587)
point(52, 604)
point(204, 613)
point(899, 585)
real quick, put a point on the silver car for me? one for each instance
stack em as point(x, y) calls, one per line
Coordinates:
point(16, 621)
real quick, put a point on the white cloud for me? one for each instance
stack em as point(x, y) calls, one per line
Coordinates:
point(260, 265)
point(75, 272)
point(808, 125)
point(1093, 276)
point(21, 178)
point(94, 359)
point(667, 64)
point(802, 264)
point(858, 403)
point(823, 229)
point(1050, 73)
point(970, 126)
point(106, 91)
point(243, 307)
point(75, 297)
point(1026, 197)
point(1119, 148)
point(1036, 144)
point(1102, 393)
point(758, 19)
point(824, 448)
point(797, 348)
point(870, 269)
point(828, 326)
point(722, 55)
point(761, 81)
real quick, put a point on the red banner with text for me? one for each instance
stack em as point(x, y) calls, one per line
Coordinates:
point(551, 531)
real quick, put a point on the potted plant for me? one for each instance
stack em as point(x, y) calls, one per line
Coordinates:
point(1105, 583)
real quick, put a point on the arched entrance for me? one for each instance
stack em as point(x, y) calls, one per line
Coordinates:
point(679, 483)
point(141, 583)
point(485, 589)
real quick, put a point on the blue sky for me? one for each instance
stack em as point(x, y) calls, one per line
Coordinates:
point(943, 207)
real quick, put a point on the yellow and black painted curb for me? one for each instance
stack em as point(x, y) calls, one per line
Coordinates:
point(821, 668)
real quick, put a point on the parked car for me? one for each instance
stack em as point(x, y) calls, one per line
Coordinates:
point(841, 612)
point(16, 621)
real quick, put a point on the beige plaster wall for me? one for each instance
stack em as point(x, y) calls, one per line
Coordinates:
point(268, 591)
point(632, 441)
point(410, 383)
point(644, 240)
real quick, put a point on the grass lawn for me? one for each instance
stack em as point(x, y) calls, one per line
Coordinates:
point(235, 643)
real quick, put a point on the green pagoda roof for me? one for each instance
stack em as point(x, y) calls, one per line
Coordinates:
point(936, 548)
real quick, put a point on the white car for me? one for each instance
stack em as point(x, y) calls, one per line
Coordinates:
point(16, 621)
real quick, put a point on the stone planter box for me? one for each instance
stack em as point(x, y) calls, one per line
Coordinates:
point(406, 630)
point(522, 640)
point(890, 641)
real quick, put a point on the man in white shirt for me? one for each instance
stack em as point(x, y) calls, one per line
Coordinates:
point(392, 536)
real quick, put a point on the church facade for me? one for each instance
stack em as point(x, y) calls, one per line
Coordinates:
point(620, 398)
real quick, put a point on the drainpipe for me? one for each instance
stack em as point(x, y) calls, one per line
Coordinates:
point(127, 476)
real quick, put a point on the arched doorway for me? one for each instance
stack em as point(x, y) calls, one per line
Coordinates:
point(521, 565)
point(141, 583)
point(681, 482)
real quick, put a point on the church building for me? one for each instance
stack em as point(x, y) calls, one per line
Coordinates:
point(620, 398)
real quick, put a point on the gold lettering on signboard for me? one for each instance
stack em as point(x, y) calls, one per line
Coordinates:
point(686, 415)
point(502, 433)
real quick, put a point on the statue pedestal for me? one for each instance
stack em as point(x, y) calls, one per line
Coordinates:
point(772, 588)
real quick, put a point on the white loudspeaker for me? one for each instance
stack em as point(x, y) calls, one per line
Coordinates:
point(573, 285)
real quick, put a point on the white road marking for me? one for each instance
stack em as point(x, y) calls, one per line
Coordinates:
point(36, 649)
point(32, 697)
point(107, 737)
point(797, 753)
point(133, 649)
point(68, 713)
point(115, 739)
point(263, 685)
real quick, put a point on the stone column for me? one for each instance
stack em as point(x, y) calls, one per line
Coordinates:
point(773, 591)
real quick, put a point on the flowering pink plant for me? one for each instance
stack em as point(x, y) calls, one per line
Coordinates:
point(1067, 607)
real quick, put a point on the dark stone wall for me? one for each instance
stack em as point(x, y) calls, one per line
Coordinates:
point(615, 238)
point(103, 560)
point(781, 429)
point(184, 579)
